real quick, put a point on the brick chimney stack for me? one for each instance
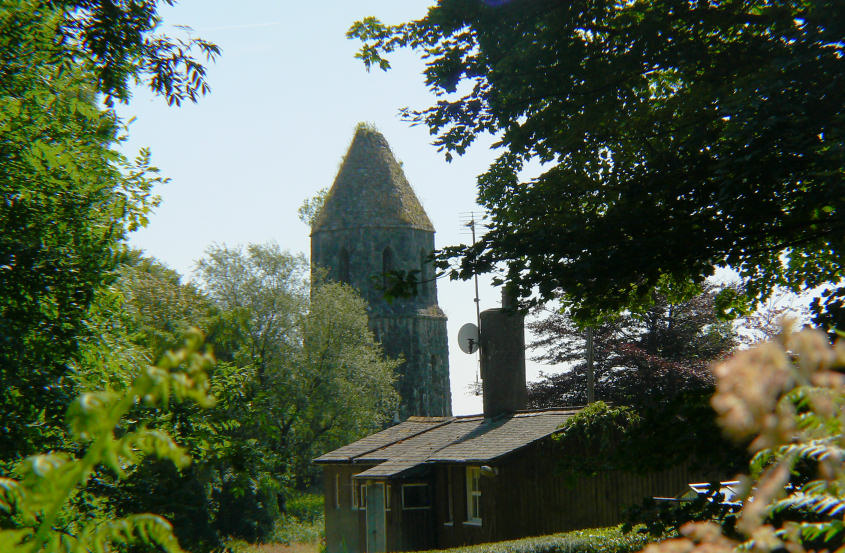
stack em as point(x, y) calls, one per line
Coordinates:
point(503, 358)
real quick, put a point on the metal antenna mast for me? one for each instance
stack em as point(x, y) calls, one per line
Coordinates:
point(471, 225)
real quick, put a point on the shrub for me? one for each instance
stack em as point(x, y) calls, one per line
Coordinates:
point(789, 397)
point(306, 507)
point(39, 503)
point(594, 540)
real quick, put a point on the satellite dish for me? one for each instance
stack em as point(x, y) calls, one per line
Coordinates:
point(468, 338)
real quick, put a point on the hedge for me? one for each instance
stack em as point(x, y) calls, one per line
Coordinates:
point(594, 540)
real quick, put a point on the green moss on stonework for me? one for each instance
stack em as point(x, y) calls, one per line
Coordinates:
point(371, 189)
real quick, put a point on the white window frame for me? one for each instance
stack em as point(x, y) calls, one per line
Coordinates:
point(450, 521)
point(360, 490)
point(473, 474)
point(415, 485)
point(337, 490)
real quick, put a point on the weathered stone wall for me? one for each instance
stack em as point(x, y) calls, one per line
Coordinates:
point(365, 249)
point(369, 210)
point(423, 382)
point(413, 328)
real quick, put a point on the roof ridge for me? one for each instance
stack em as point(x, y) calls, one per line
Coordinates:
point(526, 412)
point(408, 437)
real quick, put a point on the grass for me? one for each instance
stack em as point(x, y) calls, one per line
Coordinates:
point(243, 547)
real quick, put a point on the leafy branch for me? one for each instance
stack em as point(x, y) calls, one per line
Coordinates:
point(46, 483)
point(789, 396)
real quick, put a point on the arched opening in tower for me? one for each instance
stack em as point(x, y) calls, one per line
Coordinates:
point(425, 275)
point(387, 265)
point(343, 267)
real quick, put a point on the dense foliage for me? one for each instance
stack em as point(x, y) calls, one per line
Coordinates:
point(40, 500)
point(67, 196)
point(639, 358)
point(682, 430)
point(787, 396)
point(675, 136)
point(298, 373)
point(315, 377)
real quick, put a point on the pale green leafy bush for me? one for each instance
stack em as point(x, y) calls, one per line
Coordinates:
point(39, 499)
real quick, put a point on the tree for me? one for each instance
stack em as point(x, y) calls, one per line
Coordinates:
point(675, 136)
point(40, 499)
point(134, 322)
point(114, 42)
point(654, 366)
point(640, 359)
point(315, 377)
point(311, 207)
point(67, 196)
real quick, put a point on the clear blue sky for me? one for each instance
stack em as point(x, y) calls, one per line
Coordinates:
point(286, 95)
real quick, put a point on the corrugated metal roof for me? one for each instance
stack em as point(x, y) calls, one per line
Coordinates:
point(449, 440)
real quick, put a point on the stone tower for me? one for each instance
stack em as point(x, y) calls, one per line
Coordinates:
point(371, 223)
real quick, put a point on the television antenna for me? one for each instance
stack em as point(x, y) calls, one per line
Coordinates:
point(469, 336)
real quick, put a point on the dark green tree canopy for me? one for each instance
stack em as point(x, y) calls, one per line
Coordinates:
point(675, 135)
point(115, 40)
point(68, 196)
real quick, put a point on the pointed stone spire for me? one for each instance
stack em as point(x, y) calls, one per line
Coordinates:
point(370, 189)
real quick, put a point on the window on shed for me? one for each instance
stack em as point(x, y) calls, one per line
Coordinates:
point(474, 495)
point(359, 494)
point(337, 490)
point(415, 496)
point(343, 267)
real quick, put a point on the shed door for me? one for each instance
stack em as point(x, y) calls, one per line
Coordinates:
point(376, 537)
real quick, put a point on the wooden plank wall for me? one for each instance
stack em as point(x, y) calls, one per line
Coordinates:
point(528, 497)
point(345, 526)
point(531, 497)
point(458, 532)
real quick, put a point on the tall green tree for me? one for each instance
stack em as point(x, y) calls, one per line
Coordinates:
point(315, 377)
point(675, 136)
point(67, 196)
point(135, 322)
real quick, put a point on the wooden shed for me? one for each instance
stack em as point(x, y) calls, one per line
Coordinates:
point(446, 481)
